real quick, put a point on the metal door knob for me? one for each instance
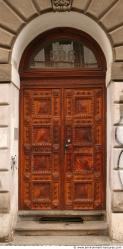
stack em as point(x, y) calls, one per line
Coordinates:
point(68, 143)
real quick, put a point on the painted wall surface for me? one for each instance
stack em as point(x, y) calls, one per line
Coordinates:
point(20, 22)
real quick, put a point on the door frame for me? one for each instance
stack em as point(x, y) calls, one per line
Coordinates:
point(96, 77)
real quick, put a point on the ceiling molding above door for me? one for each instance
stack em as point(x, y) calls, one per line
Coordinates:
point(61, 5)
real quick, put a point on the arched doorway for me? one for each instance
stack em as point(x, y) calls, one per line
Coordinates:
point(62, 127)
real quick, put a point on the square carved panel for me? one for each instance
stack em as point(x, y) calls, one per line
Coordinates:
point(41, 134)
point(42, 106)
point(83, 163)
point(42, 163)
point(83, 191)
point(83, 135)
point(83, 106)
point(41, 191)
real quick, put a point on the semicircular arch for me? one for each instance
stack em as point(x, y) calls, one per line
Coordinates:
point(51, 20)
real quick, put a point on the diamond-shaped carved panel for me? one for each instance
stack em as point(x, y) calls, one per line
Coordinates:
point(83, 163)
point(42, 163)
point(41, 134)
point(41, 191)
point(42, 106)
point(83, 106)
point(83, 135)
point(83, 191)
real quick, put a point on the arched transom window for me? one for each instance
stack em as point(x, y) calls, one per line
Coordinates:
point(63, 53)
point(63, 49)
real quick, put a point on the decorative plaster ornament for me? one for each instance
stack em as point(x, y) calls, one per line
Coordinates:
point(119, 135)
point(118, 164)
point(61, 5)
point(120, 160)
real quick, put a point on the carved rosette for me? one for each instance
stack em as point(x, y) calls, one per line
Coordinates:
point(61, 5)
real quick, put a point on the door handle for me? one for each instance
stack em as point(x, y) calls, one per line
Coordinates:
point(67, 144)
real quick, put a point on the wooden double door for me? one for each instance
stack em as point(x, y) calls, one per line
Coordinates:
point(62, 150)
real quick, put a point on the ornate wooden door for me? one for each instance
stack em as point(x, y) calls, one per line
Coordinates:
point(84, 154)
point(62, 148)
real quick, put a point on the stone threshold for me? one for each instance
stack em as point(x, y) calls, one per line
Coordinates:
point(60, 212)
point(30, 223)
point(37, 228)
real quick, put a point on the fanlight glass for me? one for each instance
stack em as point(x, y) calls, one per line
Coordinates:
point(63, 54)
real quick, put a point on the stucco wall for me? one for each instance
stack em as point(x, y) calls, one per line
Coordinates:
point(15, 16)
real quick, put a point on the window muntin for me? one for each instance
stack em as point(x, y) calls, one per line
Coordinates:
point(63, 54)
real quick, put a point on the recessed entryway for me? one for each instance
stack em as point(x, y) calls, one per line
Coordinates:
point(62, 123)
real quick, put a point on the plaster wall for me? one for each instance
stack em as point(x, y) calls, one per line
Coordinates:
point(8, 172)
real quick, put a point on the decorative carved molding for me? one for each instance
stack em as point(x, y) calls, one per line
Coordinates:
point(61, 5)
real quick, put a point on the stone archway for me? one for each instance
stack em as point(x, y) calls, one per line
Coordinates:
point(25, 17)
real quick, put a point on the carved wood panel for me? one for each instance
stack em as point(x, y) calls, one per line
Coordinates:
point(62, 148)
point(41, 147)
point(84, 155)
